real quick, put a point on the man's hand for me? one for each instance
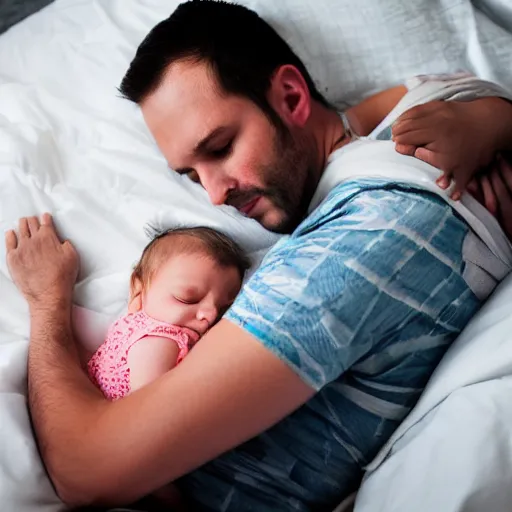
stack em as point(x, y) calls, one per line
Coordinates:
point(43, 268)
point(459, 138)
point(494, 190)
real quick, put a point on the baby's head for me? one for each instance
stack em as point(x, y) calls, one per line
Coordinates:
point(188, 277)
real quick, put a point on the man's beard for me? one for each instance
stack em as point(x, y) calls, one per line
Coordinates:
point(289, 182)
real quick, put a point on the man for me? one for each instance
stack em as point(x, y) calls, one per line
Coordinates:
point(332, 340)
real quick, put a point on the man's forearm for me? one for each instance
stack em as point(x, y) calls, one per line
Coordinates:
point(60, 395)
point(112, 453)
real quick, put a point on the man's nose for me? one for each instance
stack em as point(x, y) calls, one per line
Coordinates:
point(217, 184)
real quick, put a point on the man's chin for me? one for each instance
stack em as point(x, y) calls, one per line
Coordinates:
point(277, 221)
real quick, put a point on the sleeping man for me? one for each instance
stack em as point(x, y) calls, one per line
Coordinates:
point(330, 343)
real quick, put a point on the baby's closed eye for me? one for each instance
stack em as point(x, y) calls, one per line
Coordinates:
point(186, 300)
point(188, 295)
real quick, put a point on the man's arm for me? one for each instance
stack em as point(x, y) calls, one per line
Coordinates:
point(227, 390)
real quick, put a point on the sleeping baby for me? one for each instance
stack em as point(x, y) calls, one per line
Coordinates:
point(184, 282)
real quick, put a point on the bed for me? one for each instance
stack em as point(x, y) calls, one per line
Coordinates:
point(70, 145)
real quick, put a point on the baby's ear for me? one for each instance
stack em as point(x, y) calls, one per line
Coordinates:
point(135, 304)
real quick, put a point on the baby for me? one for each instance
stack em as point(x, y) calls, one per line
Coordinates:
point(184, 282)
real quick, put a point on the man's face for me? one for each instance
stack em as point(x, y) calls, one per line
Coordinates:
point(228, 145)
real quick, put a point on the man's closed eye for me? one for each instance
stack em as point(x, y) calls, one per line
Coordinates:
point(223, 151)
point(193, 176)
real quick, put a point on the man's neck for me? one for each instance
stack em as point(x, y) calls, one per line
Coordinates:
point(329, 134)
point(363, 118)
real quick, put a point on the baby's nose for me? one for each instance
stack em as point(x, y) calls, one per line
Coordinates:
point(208, 313)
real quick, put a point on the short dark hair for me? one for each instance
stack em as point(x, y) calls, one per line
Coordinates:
point(243, 50)
point(221, 248)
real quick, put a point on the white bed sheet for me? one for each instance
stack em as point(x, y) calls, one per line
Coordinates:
point(70, 146)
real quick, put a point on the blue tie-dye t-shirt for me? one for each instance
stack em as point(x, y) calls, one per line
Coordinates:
point(361, 301)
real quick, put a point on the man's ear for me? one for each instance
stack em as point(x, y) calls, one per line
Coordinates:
point(289, 96)
point(135, 304)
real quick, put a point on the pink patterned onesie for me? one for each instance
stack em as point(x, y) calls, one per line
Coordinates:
point(108, 367)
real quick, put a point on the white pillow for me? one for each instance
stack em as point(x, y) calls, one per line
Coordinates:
point(353, 48)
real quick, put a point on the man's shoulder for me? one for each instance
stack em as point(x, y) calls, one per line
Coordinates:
point(351, 260)
point(369, 221)
point(367, 204)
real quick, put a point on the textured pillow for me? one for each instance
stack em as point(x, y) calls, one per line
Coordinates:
point(357, 47)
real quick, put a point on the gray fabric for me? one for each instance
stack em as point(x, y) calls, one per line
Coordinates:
point(13, 11)
point(483, 271)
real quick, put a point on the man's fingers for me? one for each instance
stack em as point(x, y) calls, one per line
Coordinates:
point(420, 111)
point(29, 226)
point(47, 220)
point(404, 149)
point(23, 228)
point(461, 183)
point(11, 240)
point(401, 125)
point(501, 191)
point(456, 194)
point(473, 187)
point(49, 227)
point(427, 155)
point(505, 169)
point(69, 247)
point(444, 181)
point(33, 225)
point(490, 201)
point(475, 190)
point(434, 159)
point(416, 137)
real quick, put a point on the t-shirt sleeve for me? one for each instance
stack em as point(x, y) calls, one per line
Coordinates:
point(347, 280)
point(301, 303)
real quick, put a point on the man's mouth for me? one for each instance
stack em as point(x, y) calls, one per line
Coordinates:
point(247, 208)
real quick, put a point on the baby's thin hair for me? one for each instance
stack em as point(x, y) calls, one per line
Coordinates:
point(188, 240)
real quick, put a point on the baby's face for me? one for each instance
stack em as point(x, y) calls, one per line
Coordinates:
point(191, 290)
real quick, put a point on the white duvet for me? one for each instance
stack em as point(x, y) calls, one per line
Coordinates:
point(69, 145)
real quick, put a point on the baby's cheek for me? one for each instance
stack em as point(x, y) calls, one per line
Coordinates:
point(170, 311)
point(155, 307)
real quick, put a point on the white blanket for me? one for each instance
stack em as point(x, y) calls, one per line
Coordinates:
point(69, 145)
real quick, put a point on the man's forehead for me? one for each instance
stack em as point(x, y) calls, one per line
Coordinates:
point(186, 107)
point(182, 110)
point(184, 88)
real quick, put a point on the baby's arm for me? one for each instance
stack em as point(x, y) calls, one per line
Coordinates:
point(367, 115)
point(150, 358)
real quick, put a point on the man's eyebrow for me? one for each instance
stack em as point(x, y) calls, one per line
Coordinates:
point(203, 144)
